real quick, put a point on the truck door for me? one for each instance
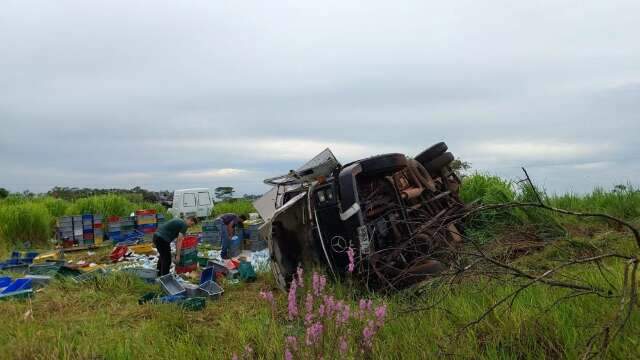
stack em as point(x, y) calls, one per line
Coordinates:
point(189, 203)
point(204, 204)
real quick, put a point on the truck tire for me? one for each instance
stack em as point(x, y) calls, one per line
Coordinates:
point(431, 153)
point(383, 164)
point(434, 167)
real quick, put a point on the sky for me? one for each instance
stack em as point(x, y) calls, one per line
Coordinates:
point(178, 94)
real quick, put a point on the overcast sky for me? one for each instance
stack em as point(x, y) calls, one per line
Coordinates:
point(173, 94)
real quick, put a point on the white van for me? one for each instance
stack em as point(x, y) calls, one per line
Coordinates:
point(192, 202)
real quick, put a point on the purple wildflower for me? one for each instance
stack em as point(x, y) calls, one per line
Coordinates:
point(381, 313)
point(323, 283)
point(343, 345)
point(367, 334)
point(321, 310)
point(268, 296)
point(338, 311)
point(288, 355)
point(293, 301)
point(319, 282)
point(346, 312)
point(314, 333)
point(365, 305)
point(248, 351)
point(330, 305)
point(309, 308)
point(351, 255)
point(300, 277)
point(316, 283)
point(292, 342)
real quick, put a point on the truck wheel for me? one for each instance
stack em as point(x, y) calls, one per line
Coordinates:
point(383, 164)
point(426, 267)
point(435, 166)
point(431, 153)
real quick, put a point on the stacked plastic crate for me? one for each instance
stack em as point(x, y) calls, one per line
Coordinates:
point(113, 229)
point(78, 235)
point(147, 221)
point(160, 219)
point(188, 255)
point(65, 231)
point(98, 230)
point(252, 233)
point(87, 229)
point(211, 232)
point(127, 226)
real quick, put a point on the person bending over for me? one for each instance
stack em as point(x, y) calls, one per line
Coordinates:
point(166, 234)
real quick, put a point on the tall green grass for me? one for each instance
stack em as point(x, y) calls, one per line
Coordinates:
point(104, 204)
point(24, 223)
point(56, 207)
point(482, 189)
point(622, 202)
point(239, 207)
point(32, 219)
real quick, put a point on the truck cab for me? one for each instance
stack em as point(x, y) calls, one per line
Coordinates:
point(192, 202)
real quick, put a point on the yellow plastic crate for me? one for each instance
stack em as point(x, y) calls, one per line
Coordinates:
point(142, 248)
point(146, 221)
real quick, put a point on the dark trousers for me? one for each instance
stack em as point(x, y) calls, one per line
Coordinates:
point(164, 260)
point(226, 243)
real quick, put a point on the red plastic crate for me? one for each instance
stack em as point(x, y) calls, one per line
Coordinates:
point(146, 212)
point(186, 269)
point(113, 219)
point(189, 241)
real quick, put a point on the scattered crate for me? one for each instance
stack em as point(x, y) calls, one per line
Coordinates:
point(208, 285)
point(171, 285)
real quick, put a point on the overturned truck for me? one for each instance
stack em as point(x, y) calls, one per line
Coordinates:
point(399, 215)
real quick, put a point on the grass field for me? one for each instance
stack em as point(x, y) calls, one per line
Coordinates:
point(102, 319)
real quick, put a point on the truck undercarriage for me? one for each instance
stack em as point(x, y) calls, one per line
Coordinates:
point(398, 214)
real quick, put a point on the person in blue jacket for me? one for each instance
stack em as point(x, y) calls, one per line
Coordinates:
point(230, 221)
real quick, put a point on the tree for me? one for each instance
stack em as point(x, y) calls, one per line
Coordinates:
point(3, 193)
point(460, 166)
point(224, 193)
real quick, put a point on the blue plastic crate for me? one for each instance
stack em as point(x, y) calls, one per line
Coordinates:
point(258, 245)
point(18, 285)
point(208, 284)
point(22, 294)
point(5, 281)
point(13, 261)
point(19, 268)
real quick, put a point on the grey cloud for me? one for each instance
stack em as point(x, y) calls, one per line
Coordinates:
point(104, 93)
